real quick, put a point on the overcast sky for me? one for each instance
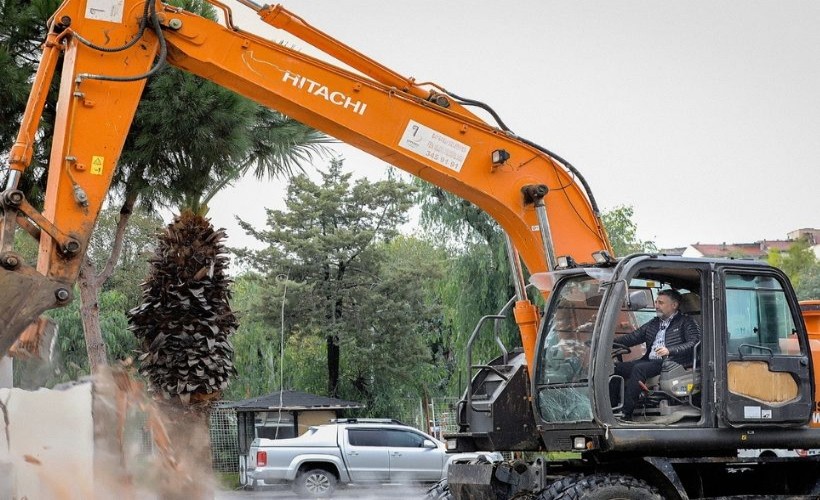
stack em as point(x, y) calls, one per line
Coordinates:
point(702, 115)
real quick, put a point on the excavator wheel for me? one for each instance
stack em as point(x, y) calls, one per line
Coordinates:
point(603, 487)
point(559, 486)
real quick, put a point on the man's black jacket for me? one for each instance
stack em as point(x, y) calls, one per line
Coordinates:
point(681, 336)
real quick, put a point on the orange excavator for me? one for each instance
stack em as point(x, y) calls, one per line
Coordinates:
point(751, 383)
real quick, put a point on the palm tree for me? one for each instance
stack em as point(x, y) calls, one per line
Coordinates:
point(195, 138)
point(185, 321)
point(188, 285)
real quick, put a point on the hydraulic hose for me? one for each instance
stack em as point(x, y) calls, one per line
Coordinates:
point(163, 53)
point(505, 128)
point(137, 37)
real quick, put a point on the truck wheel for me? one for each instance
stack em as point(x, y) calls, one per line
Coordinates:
point(316, 483)
point(609, 487)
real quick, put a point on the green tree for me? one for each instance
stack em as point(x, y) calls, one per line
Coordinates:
point(264, 356)
point(623, 232)
point(137, 245)
point(477, 281)
point(323, 259)
point(797, 262)
point(808, 286)
point(70, 354)
point(22, 32)
point(188, 165)
point(406, 354)
point(256, 345)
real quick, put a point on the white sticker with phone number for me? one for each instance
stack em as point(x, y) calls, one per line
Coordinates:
point(104, 10)
point(434, 145)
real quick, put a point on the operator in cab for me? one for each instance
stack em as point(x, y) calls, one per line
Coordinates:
point(671, 335)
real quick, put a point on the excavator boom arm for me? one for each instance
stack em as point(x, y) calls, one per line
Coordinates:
point(107, 55)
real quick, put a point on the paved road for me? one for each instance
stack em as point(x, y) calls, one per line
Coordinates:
point(358, 492)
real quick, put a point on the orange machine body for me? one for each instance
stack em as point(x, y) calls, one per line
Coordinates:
point(811, 316)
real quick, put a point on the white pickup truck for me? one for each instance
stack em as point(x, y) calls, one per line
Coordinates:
point(348, 451)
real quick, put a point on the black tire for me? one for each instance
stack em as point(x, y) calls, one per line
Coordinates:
point(559, 486)
point(315, 483)
point(609, 487)
point(439, 491)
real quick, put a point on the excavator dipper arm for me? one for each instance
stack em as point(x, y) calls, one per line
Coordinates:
point(110, 46)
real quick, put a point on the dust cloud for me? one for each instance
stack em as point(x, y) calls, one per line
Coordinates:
point(104, 437)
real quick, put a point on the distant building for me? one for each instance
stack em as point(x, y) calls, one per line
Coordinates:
point(812, 235)
point(758, 250)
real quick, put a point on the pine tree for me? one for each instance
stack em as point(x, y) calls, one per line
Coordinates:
point(325, 248)
point(22, 31)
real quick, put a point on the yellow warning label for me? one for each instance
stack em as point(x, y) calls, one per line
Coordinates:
point(97, 165)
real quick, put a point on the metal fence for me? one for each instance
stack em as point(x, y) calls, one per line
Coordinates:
point(224, 440)
point(439, 419)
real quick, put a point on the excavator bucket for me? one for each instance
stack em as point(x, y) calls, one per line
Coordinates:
point(37, 341)
point(24, 296)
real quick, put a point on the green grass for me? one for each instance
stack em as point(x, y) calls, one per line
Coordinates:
point(227, 480)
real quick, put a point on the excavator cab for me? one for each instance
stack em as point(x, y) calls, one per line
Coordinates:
point(750, 369)
point(749, 385)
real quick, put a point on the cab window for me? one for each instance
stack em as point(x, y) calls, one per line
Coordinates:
point(758, 317)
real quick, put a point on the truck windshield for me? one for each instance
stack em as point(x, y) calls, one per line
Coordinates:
point(563, 364)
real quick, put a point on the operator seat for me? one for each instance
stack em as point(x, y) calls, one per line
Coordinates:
point(690, 305)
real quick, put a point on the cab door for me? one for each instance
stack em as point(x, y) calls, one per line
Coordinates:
point(767, 377)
